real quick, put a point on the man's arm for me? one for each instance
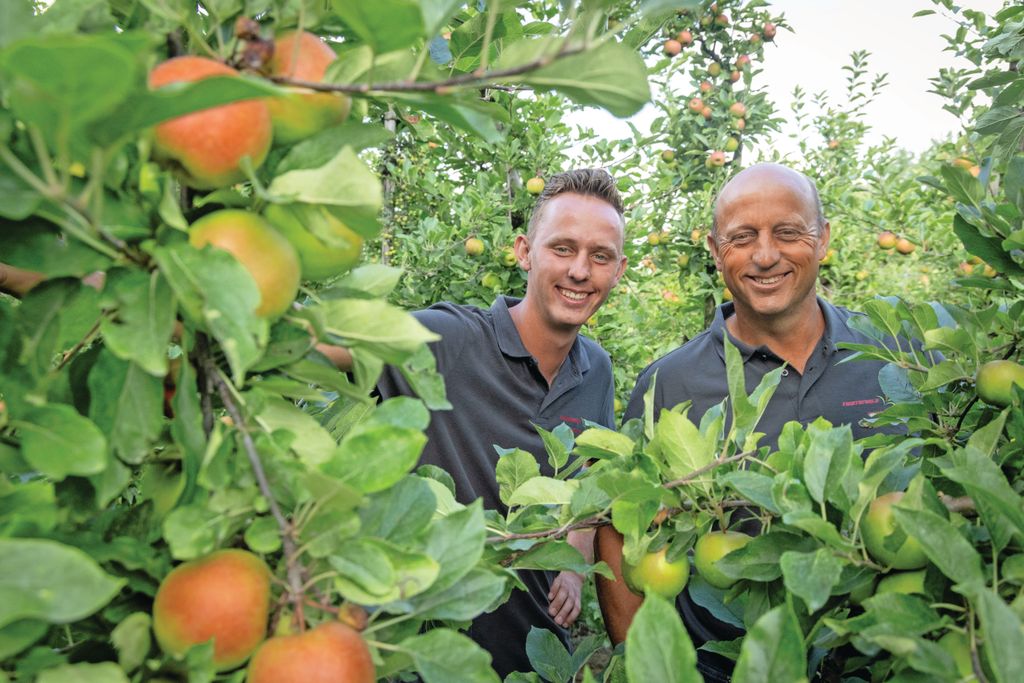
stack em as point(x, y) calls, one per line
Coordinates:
point(565, 596)
point(618, 603)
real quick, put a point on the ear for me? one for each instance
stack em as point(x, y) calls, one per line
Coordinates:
point(823, 239)
point(522, 250)
point(713, 246)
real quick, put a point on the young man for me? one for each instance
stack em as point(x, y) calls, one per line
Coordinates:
point(523, 363)
point(767, 238)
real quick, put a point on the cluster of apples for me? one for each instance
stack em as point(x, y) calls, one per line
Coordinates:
point(225, 597)
point(210, 148)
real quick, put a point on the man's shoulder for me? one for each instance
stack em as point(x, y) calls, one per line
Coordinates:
point(595, 352)
point(446, 316)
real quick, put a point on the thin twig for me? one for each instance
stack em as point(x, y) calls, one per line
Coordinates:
point(707, 468)
point(294, 570)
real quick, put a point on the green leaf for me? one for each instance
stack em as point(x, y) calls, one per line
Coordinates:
point(1002, 632)
point(385, 25)
point(986, 484)
point(995, 120)
point(543, 491)
point(400, 513)
point(54, 316)
point(132, 640)
point(472, 115)
point(145, 318)
point(105, 672)
point(126, 403)
point(373, 457)
point(548, 656)
point(831, 467)
point(746, 411)
point(63, 82)
point(437, 12)
point(512, 471)
point(46, 580)
point(682, 447)
point(598, 443)
point(657, 646)
point(190, 532)
point(16, 636)
point(377, 327)
point(760, 558)
point(217, 293)
point(553, 556)
point(445, 656)
point(15, 21)
point(263, 536)
point(556, 444)
point(477, 592)
point(773, 650)
point(344, 181)
point(900, 614)
point(57, 441)
point(811, 576)
point(456, 542)
point(312, 443)
point(374, 572)
point(612, 76)
point(964, 187)
point(757, 488)
point(942, 543)
point(36, 244)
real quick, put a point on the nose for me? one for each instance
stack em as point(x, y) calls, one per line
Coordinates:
point(766, 254)
point(579, 268)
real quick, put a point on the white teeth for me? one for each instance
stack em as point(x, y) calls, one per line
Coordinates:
point(575, 296)
point(768, 280)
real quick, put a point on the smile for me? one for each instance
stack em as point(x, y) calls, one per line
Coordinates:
point(571, 295)
point(768, 281)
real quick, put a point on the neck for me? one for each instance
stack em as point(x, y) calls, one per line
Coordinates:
point(792, 338)
point(547, 345)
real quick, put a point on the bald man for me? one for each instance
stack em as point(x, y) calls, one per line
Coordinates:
point(768, 237)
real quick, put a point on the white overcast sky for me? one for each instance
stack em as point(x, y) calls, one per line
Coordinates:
point(824, 33)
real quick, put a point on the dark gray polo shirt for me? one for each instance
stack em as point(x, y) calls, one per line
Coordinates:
point(841, 393)
point(497, 394)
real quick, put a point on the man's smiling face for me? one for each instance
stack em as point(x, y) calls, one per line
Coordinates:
point(574, 256)
point(768, 243)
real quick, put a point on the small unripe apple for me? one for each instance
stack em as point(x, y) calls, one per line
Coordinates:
point(908, 583)
point(905, 246)
point(672, 47)
point(769, 31)
point(713, 546)
point(474, 246)
point(738, 109)
point(833, 144)
point(714, 69)
point(707, 113)
point(654, 239)
point(716, 159)
point(705, 86)
point(667, 155)
point(722, 20)
point(735, 76)
point(535, 185)
point(683, 260)
point(975, 170)
point(887, 239)
point(695, 104)
point(508, 257)
point(739, 124)
point(685, 38)
point(755, 39)
point(491, 280)
point(732, 144)
point(963, 162)
point(330, 652)
point(657, 575)
point(829, 257)
point(742, 61)
point(878, 524)
point(862, 275)
point(995, 380)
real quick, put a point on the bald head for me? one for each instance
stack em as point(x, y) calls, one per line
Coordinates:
point(761, 176)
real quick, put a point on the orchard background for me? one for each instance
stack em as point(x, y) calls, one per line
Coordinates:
point(156, 415)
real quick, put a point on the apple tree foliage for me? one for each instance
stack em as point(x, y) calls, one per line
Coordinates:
point(154, 418)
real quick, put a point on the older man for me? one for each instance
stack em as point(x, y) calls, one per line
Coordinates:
point(768, 236)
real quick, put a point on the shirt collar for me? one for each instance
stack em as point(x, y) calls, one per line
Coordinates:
point(511, 344)
point(836, 331)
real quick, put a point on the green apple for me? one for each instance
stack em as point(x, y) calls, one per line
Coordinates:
point(878, 524)
point(655, 574)
point(710, 548)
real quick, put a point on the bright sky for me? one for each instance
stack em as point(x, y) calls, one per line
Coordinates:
point(825, 32)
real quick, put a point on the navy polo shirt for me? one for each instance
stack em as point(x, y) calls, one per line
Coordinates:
point(844, 393)
point(497, 394)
